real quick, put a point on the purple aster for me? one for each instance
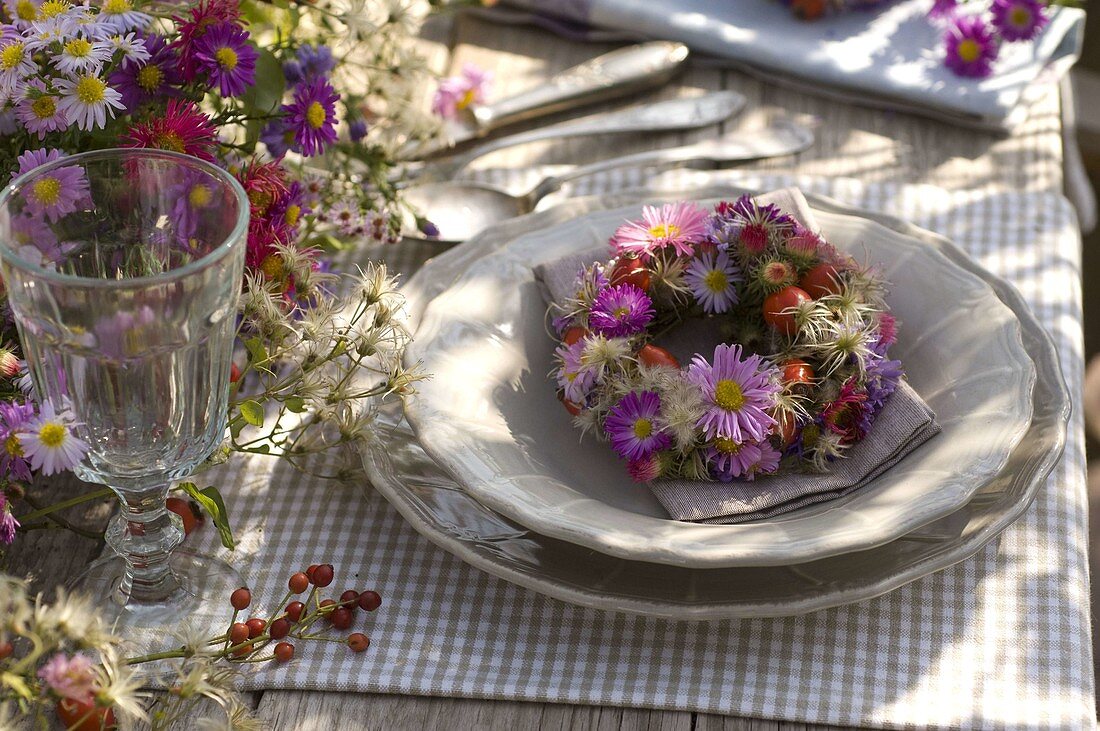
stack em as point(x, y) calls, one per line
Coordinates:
point(13, 417)
point(316, 61)
point(629, 426)
point(766, 464)
point(943, 9)
point(40, 111)
point(153, 79)
point(278, 137)
point(1019, 20)
point(575, 379)
point(713, 279)
point(883, 375)
point(228, 59)
point(729, 459)
point(8, 523)
point(971, 47)
point(293, 71)
point(887, 333)
point(312, 116)
point(54, 194)
point(739, 394)
point(621, 311)
point(756, 225)
point(357, 129)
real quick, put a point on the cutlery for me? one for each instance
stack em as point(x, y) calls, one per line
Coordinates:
point(460, 210)
point(670, 115)
point(613, 74)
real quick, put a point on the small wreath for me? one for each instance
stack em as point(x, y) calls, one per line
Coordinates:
point(800, 378)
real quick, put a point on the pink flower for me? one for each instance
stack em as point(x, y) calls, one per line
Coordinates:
point(181, 128)
point(459, 92)
point(678, 225)
point(69, 677)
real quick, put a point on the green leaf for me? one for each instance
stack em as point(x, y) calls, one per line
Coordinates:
point(252, 412)
point(267, 93)
point(211, 501)
point(257, 353)
point(295, 404)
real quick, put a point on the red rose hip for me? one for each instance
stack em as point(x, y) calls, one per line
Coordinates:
point(370, 600)
point(240, 598)
point(779, 308)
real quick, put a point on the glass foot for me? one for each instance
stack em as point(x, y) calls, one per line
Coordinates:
point(205, 584)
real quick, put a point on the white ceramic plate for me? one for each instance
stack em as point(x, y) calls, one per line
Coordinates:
point(439, 509)
point(489, 416)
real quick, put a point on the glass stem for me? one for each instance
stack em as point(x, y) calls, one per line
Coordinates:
point(144, 534)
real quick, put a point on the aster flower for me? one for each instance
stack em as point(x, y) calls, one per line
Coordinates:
point(1019, 20)
point(802, 246)
point(620, 311)
point(629, 426)
point(678, 225)
point(739, 394)
point(22, 12)
point(312, 116)
point(713, 279)
point(131, 46)
point(14, 416)
point(346, 215)
point(646, 469)
point(729, 459)
point(79, 55)
point(971, 47)
point(459, 92)
point(154, 78)
point(8, 523)
point(57, 193)
point(843, 416)
point(120, 16)
point(264, 183)
point(203, 16)
point(943, 9)
point(69, 677)
point(87, 101)
point(16, 62)
point(316, 62)
point(228, 59)
point(767, 463)
point(39, 110)
point(181, 128)
point(756, 226)
point(887, 333)
point(357, 129)
point(278, 137)
point(575, 379)
point(49, 443)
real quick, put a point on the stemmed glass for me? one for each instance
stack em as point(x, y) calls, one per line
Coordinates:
point(123, 270)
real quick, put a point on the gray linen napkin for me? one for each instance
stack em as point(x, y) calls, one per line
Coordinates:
point(904, 423)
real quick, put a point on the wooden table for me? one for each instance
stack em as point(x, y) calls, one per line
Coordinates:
point(858, 142)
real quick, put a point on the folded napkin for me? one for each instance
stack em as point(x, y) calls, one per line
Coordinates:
point(893, 53)
point(904, 423)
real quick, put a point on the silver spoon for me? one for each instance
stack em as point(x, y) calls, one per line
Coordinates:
point(663, 116)
point(460, 210)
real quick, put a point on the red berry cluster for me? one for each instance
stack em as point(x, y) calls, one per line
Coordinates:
point(296, 619)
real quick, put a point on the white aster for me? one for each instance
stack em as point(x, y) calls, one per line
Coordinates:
point(87, 100)
point(120, 16)
point(49, 444)
point(79, 55)
point(132, 48)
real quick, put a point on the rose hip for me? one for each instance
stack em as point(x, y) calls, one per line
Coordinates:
point(240, 598)
point(279, 629)
point(294, 610)
point(256, 627)
point(309, 572)
point(298, 583)
point(349, 598)
point(243, 650)
point(238, 633)
point(340, 618)
point(358, 642)
point(323, 576)
point(370, 600)
point(284, 651)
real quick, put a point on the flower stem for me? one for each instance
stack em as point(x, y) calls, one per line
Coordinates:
point(86, 497)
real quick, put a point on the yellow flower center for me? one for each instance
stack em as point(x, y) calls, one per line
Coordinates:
point(643, 428)
point(727, 446)
point(13, 446)
point(969, 50)
point(200, 196)
point(117, 7)
point(315, 115)
point(25, 10)
point(665, 231)
point(466, 100)
point(78, 47)
point(1020, 17)
point(52, 8)
point(89, 90)
point(620, 312)
point(292, 214)
point(810, 434)
point(728, 395)
point(47, 191)
point(169, 141)
point(150, 77)
point(226, 58)
point(272, 266)
point(44, 107)
point(52, 434)
point(11, 56)
point(716, 281)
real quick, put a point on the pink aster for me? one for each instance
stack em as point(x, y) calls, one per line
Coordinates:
point(69, 677)
point(1019, 20)
point(312, 116)
point(54, 194)
point(574, 379)
point(14, 415)
point(621, 311)
point(678, 225)
point(629, 426)
point(459, 92)
point(203, 16)
point(971, 47)
point(843, 415)
point(8, 523)
point(739, 394)
point(228, 59)
point(40, 111)
point(181, 128)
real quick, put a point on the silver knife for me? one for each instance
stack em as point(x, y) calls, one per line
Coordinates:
point(613, 74)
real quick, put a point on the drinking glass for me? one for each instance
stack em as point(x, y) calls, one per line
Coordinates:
point(123, 270)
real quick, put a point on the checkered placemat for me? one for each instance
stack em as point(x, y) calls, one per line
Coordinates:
point(1002, 639)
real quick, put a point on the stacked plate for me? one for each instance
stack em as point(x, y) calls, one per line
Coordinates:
point(492, 470)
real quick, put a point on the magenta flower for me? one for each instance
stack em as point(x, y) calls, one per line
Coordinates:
point(1019, 20)
point(13, 417)
point(621, 311)
point(971, 47)
point(228, 59)
point(574, 379)
point(312, 116)
point(844, 416)
point(645, 469)
point(459, 92)
point(713, 279)
point(56, 194)
point(739, 394)
point(630, 426)
point(69, 677)
point(153, 79)
point(181, 128)
point(678, 225)
point(8, 523)
point(754, 226)
point(943, 9)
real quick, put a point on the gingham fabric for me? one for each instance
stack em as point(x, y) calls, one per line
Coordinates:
point(1000, 640)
